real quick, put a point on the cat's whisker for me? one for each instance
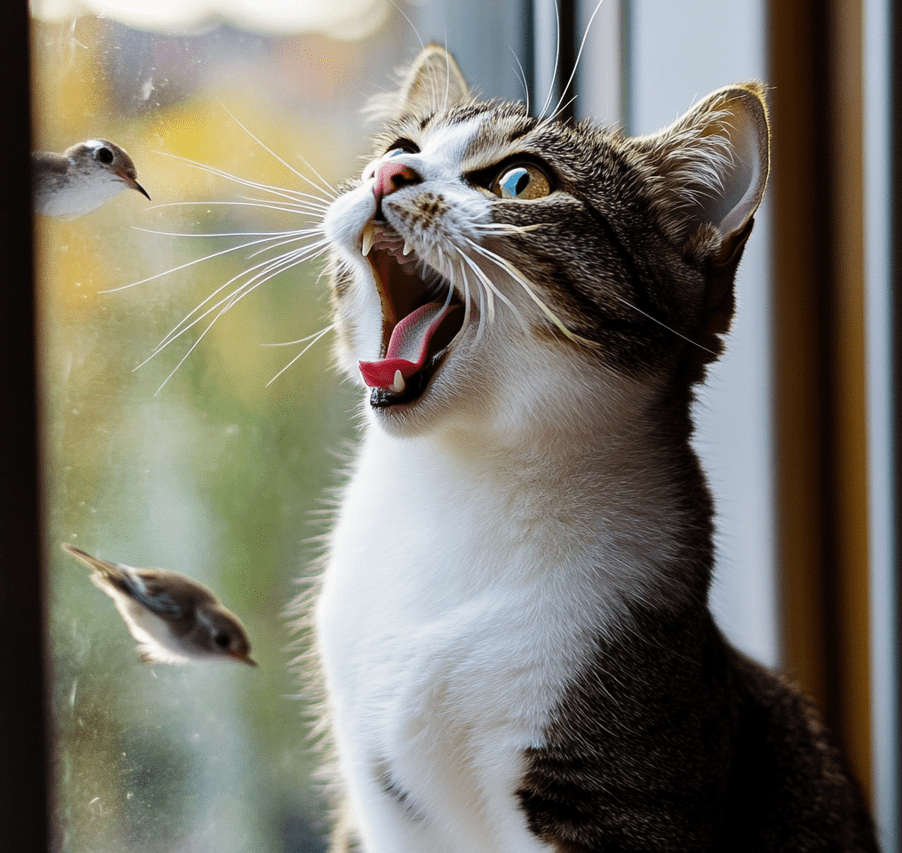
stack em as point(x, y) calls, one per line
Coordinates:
point(482, 300)
point(560, 105)
point(190, 350)
point(559, 109)
point(523, 79)
point(298, 207)
point(304, 208)
point(447, 97)
point(326, 187)
point(416, 32)
point(303, 253)
point(490, 300)
point(487, 282)
point(188, 263)
point(227, 302)
point(300, 340)
point(268, 235)
point(289, 239)
point(467, 301)
point(284, 192)
point(519, 277)
point(267, 270)
point(557, 59)
point(664, 325)
point(312, 338)
point(506, 228)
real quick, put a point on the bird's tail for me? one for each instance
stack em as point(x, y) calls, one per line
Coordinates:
point(106, 570)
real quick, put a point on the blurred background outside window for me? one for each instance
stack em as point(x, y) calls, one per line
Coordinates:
point(203, 456)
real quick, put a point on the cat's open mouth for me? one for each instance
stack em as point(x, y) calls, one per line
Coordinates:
point(421, 316)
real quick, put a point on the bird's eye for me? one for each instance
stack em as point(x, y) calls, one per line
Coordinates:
point(222, 640)
point(521, 181)
point(105, 155)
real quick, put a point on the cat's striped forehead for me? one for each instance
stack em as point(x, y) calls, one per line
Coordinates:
point(475, 134)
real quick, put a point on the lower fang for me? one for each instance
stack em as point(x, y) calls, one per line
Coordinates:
point(399, 384)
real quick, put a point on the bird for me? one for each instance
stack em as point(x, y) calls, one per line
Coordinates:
point(82, 178)
point(174, 619)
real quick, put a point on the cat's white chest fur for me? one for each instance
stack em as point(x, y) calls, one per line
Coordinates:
point(454, 611)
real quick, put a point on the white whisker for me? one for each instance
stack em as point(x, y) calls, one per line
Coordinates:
point(664, 325)
point(289, 239)
point(294, 207)
point(316, 336)
point(412, 26)
point(300, 340)
point(557, 59)
point(559, 110)
point(487, 282)
point(273, 235)
point(561, 106)
point(326, 186)
point(266, 271)
point(506, 228)
point(303, 208)
point(188, 263)
point(523, 79)
point(283, 192)
point(518, 276)
point(200, 337)
point(482, 313)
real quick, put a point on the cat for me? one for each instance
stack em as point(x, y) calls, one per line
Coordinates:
point(512, 623)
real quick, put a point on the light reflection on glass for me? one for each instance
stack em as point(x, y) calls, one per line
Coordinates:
point(213, 472)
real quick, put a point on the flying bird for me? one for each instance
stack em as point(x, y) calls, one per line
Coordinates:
point(174, 618)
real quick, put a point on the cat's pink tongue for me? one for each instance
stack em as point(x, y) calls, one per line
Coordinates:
point(407, 348)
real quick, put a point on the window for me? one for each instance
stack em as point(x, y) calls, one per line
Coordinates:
point(204, 465)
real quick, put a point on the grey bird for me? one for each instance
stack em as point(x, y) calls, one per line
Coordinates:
point(174, 618)
point(82, 178)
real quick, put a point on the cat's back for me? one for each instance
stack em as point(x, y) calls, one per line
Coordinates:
point(791, 787)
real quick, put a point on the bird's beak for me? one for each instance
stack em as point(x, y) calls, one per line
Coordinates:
point(134, 185)
point(90, 561)
point(244, 659)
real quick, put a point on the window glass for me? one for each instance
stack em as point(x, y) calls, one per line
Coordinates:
point(188, 457)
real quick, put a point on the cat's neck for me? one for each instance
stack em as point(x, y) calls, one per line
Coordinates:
point(615, 497)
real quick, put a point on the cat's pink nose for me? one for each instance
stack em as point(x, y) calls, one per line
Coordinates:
point(390, 177)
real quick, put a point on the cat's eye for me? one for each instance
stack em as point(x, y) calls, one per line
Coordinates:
point(402, 146)
point(521, 181)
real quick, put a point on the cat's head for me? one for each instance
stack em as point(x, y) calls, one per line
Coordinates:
point(492, 268)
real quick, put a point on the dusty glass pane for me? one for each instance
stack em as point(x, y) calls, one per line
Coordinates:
point(199, 466)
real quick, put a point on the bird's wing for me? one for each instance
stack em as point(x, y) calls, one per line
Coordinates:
point(142, 586)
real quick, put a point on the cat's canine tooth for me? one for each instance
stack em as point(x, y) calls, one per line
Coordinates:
point(407, 249)
point(399, 384)
point(367, 238)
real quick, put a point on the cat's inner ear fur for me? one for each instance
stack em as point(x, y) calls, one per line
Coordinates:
point(710, 167)
point(433, 82)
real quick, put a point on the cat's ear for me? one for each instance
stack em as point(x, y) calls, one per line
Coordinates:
point(711, 165)
point(433, 82)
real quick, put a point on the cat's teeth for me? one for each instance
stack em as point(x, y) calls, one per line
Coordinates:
point(407, 249)
point(367, 239)
point(399, 384)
